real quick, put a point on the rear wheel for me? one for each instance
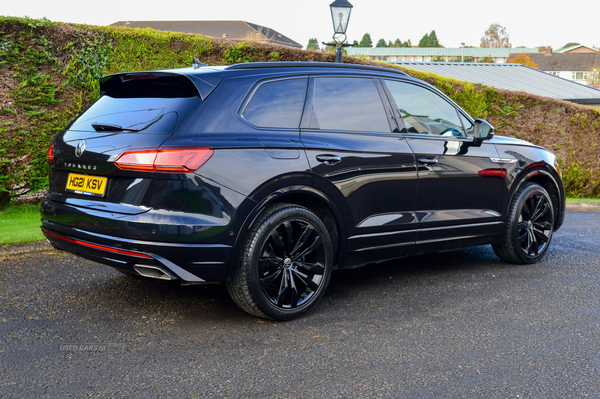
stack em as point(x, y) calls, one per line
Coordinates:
point(285, 265)
point(529, 227)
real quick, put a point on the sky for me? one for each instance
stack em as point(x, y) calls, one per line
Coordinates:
point(528, 23)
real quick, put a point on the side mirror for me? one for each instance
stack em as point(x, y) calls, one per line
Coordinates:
point(483, 130)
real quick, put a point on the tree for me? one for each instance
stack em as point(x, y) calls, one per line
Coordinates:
point(381, 43)
point(593, 76)
point(366, 41)
point(523, 59)
point(433, 40)
point(424, 41)
point(495, 37)
point(571, 44)
point(313, 44)
point(429, 40)
point(399, 43)
point(460, 58)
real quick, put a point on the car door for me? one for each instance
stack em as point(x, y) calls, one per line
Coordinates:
point(360, 162)
point(459, 197)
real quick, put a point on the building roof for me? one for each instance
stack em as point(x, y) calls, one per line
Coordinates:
point(580, 48)
point(514, 77)
point(240, 30)
point(439, 51)
point(564, 61)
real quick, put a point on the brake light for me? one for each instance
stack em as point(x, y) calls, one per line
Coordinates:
point(129, 77)
point(186, 160)
point(50, 153)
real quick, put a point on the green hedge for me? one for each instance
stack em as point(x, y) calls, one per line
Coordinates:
point(52, 70)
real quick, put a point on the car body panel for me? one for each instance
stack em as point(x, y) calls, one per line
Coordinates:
point(460, 169)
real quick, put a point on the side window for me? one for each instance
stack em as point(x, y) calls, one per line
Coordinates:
point(423, 111)
point(277, 104)
point(348, 104)
point(467, 125)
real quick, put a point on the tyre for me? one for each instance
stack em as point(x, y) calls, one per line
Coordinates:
point(529, 226)
point(285, 264)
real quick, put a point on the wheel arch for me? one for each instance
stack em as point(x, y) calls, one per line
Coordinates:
point(296, 194)
point(547, 177)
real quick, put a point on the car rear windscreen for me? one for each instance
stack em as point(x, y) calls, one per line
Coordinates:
point(140, 102)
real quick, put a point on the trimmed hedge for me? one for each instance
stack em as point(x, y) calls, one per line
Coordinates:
point(49, 73)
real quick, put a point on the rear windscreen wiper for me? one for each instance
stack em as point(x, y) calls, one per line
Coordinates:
point(107, 127)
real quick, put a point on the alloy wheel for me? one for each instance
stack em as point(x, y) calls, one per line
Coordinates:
point(291, 264)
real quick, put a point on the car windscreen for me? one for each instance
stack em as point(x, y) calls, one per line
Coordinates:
point(148, 102)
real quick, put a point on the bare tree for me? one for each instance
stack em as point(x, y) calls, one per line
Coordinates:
point(593, 76)
point(495, 37)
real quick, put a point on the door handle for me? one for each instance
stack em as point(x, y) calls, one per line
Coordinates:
point(328, 159)
point(429, 161)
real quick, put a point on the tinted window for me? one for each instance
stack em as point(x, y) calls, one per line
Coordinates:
point(467, 125)
point(148, 102)
point(147, 85)
point(424, 111)
point(277, 104)
point(348, 104)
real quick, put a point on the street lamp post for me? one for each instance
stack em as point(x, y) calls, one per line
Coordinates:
point(340, 15)
point(462, 59)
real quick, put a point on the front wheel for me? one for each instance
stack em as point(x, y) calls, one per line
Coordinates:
point(529, 226)
point(285, 265)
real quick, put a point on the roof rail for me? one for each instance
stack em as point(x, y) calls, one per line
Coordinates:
point(290, 64)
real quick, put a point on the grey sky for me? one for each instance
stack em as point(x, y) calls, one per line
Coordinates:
point(528, 23)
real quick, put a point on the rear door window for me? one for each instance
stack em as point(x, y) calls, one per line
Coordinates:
point(276, 104)
point(352, 104)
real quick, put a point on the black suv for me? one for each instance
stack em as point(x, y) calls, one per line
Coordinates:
point(270, 175)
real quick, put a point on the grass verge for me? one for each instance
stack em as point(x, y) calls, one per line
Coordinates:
point(583, 199)
point(20, 223)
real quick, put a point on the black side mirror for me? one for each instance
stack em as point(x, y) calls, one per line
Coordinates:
point(483, 130)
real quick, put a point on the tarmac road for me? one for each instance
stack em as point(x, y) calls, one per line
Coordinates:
point(453, 325)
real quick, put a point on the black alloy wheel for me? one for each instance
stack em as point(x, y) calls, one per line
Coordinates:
point(286, 264)
point(529, 228)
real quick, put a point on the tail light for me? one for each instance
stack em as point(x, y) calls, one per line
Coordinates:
point(186, 160)
point(50, 153)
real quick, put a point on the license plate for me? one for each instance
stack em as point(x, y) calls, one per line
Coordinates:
point(88, 185)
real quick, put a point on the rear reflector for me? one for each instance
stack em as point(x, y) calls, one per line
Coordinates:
point(50, 153)
point(186, 160)
point(101, 247)
point(493, 173)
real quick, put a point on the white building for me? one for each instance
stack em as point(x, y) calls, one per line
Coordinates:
point(572, 63)
point(429, 54)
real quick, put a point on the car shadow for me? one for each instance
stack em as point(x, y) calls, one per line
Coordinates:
point(168, 300)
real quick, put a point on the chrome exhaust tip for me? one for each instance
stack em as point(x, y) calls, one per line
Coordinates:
point(153, 272)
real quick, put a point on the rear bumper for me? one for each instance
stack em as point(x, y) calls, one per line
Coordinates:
point(194, 263)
